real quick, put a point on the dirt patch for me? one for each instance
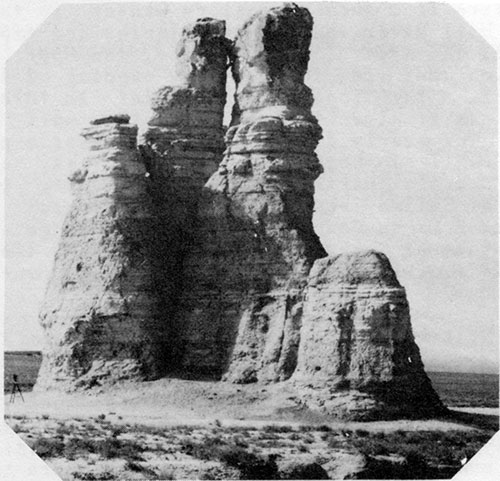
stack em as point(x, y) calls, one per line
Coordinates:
point(174, 429)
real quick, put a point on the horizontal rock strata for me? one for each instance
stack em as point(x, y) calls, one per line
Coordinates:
point(255, 243)
point(185, 137)
point(195, 256)
point(182, 149)
point(100, 311)
point(357, 351)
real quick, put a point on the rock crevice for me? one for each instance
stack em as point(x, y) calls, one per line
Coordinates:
point(255, 242)
point(194, 254)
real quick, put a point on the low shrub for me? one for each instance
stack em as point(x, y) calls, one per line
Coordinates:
point(305, 428)
point(240, 442)
point(116, 448)
point(47, 447)
point(107, 448)
point(90, 476)
point(306, 471)
point(138, 468)
point(249, 464)
point(77, 447)
point(62, 429)
point(117, 431)
point(273, 428)
point(335, 442)
point(432, 448)
point(324, 428)
point(303, 448)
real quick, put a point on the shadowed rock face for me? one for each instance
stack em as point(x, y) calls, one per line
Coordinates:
point(181, 257)
point(182, 149)
point(100, 312)
point(255, 243)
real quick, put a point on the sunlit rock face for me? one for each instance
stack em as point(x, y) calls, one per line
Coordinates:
point(357, 352)
point(255, 241)
point(194, 255)
point(264, 303)
point(271, 59)
point(100, 312)
point(185, 136)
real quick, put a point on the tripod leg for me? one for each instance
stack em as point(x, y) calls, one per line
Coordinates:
point(20, 392)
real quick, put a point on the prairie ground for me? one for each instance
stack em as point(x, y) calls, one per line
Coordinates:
point(175, 429)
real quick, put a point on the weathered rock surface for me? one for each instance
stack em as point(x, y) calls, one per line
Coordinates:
point(116, 119)
point(181, 257)
point(357, 351)
point(185, 139)
point(255, 243)
point(182, 148)
point(100, 312)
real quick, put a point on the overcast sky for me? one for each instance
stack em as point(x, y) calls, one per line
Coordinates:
point(407, 98)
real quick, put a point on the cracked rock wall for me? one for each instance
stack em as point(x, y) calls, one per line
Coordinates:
point(357, 351)
point(196, 256)
point(255, 242)
point(182, 148)
point(100, 312)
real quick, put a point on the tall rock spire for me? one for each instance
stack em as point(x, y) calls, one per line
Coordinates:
point(255, 311)
point(182, 148)
point(255, 242)
point(185, 138)
point(271, 59)
point(181, 256)
point(100, 313)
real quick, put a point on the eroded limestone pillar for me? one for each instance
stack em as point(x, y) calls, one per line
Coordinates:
point(255, 241)
point(100, 313)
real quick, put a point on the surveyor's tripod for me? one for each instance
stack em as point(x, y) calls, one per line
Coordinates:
point(16, 388)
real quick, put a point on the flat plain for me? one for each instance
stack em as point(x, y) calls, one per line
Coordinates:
point(175, 429)
point(455, 389)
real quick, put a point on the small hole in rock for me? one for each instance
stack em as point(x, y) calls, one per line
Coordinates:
point(317, 368)
point(79, 267)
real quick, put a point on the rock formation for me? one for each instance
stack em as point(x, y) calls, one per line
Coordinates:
point(255, 242)
point(182, 149)
point(185, 140)
point(181, 257)
point(357, 352)
point(100, 312)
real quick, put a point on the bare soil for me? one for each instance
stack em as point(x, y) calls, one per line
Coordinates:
point(175, 429)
